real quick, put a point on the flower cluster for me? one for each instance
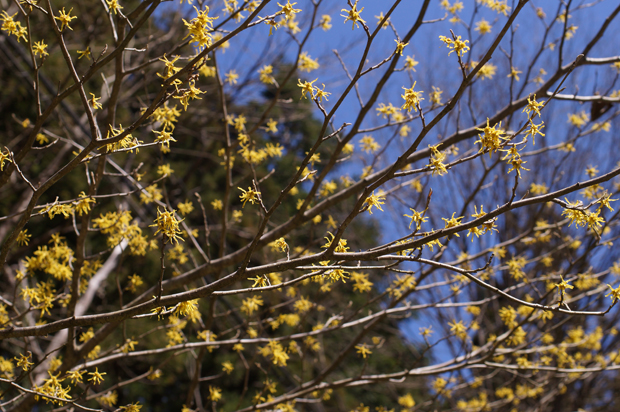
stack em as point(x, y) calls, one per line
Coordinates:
point(200, 28)
point(456, 45)
point(167, 223)
point(412, 99)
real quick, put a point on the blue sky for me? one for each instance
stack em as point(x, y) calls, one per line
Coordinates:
point(436, 68)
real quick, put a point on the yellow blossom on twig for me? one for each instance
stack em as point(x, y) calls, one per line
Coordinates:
point(353, 15)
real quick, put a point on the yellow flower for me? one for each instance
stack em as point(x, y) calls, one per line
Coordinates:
point(306, 63)
point(168, 224)
point(614, 294)
point(517, 337)
point(508, 315)
point(250, 195)
point(217, 204)
point(165, 170)
point(23, 238)
point(185, 208)
point(228, 367)
point(457, 45)
point(325, 22)
point(412, 99)
point(75, 376)
point(150, 194)
point(231, 77)
point(186, 308)
point(342, 244)
point(65, 18)
point(306, 87)
point(277, 353)
point(164, 137)
point(487, 71)
point(292, 25)
point(279, 244)
point(535, 129)
point(97, 377)
point(200, 27)
point(492, 137)
point(514, 72)
point(251, 304)
point(272, 126)
point(436, 161)
point(380, 18)
point(273, 25)
point(452, 222)
point(238, 347)
point(399, 47)
point(582, 217)
point(578, 119)
point(374, 200)
point(410, 63)
point(319, 94)
point(265, 74)
point(84, 53)
point(426, 331)
point(458, 329)
point(563, 285)
point(40, 49)
point(353, 15)
point(5, 157)
point(483, 27)
point(406, 401)
point(363, 350)
point(24, 361)
point(288, 9)
point(368, 144)
point(134, 282)
point(237, 215)
point(533, 105)
point(83, 204)
point(416, 217)
point(42, 139)
point(109, 399)
point(513, 157)
point(94, 101)
point(604, 202)
point(385, 111)
point(56, 209)
point(570, 31)
point(435, 95)
point(113, 5)
point(132, 407)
